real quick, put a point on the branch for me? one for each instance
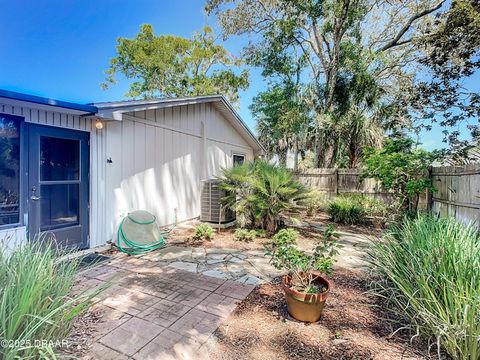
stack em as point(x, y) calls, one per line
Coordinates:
point(396, 40)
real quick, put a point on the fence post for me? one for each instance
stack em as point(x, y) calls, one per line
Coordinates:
point(335, 181)
point(429, 194)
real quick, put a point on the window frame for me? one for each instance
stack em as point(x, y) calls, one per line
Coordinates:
point(235, 153)
point(22, 172)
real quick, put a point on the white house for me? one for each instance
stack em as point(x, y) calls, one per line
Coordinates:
point(76, 170)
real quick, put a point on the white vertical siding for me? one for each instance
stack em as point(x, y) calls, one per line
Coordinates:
point(98, 231)
point(159, 158)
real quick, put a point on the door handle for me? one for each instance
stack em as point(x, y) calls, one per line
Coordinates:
point(34, 197)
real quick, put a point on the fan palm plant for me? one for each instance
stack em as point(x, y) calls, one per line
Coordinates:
point(263, 194)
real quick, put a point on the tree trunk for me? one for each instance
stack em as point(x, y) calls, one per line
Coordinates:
point(282, 157)
point(295, 155)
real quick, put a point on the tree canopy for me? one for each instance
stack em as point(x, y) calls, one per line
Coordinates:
point(360, 62)
point(172, 66)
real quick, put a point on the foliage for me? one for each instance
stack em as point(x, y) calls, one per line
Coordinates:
point(172, 66)
point(346, 210)
point(354, 57)
point(282, 119)
point(430, 272)
point(370, 205)
point(401, 168)
point(301, 265)
point(316, 201)
point(203, 232)
point(34, 299)
point(262, 194)
point(452, 57)
point(246, 235)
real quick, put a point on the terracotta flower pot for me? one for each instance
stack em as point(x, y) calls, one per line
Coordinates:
point(303, 306)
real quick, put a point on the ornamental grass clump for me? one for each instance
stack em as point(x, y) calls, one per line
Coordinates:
point(345, 210)
point(430, 274)
point(36, 309)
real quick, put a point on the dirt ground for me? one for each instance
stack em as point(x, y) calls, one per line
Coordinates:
point(353, 326)
point(309, 229)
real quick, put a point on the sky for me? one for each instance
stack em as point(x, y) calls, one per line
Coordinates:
point(60, 48)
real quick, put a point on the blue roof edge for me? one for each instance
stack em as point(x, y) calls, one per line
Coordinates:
point(46, 101)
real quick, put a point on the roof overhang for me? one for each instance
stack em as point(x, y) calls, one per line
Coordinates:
point(21, 99)
point(115, 111)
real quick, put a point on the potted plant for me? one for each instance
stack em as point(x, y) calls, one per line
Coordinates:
point(305, 288)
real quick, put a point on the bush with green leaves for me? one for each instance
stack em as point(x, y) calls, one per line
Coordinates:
point(262, 194)
point(316, 201)
point(35, 301)
point(430, 275)
point(203, 232)
point(302, 265)
point(401, 168)
point(345, 210)
point(246, 235)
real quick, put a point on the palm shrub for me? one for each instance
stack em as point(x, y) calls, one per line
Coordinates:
point(346, 210)
point(430, 273)
point(263, 194)
point(34, 300)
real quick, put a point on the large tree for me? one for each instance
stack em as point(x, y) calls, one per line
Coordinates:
point(171, 66)
point(441, 96)
point(332, 35)
point(282, 120)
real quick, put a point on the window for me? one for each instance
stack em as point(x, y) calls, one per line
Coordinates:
point(9, 169)
point(238, 159)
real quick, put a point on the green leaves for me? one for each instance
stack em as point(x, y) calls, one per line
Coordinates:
point(285, 255)
point(430, 274)
point(170, 66)
point(203, 232)
point(263, 194)
point(400, 168)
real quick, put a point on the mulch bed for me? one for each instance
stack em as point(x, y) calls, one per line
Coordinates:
point(353, 326)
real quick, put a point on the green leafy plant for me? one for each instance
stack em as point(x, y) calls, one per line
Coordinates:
point(370, 205)
point(244, 235)
point(346, 210)
point(430, 275)
point(302, 265)
point(203, 232)
point(263, 194)
point(316, 201)
point(401, 168)
point(35, 301)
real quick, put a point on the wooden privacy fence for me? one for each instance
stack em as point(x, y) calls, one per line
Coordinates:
point(457, 195)
point(458, 192)
point(342, 181)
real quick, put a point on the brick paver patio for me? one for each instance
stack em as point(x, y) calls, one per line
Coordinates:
point(155, 312)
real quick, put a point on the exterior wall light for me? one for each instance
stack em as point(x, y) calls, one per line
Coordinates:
point(99, 124)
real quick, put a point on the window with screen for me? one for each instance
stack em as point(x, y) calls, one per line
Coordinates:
point(238, 159)
point(9, 169)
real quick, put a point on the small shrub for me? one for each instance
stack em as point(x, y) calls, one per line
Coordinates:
point(346, 211)
point(35, 302)
point(370, 205)
point(430, 271)
point(261, 233)
point(285, 237)
point(285, 255)
point(203, 232)
point(315, 202)
point(244, 235)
